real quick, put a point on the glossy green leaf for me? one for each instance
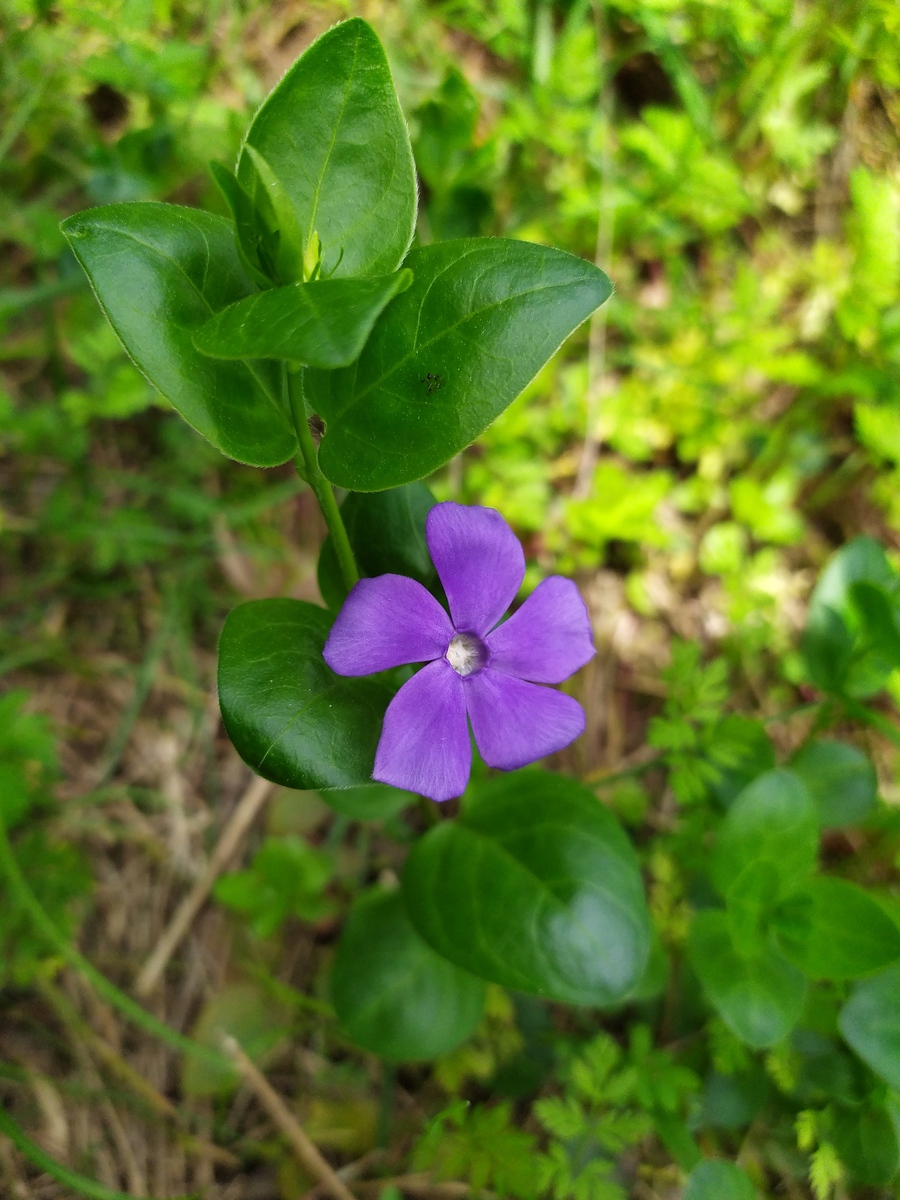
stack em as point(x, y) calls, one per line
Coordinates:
point(387, 533)
point(392, 993)
point(282, 219)
point(867, 1141)
point(840, 779)
point(159, 273)
point(247, 233)
point(774, 819)
point(835, 930)
point(291, 719)
point(714, 1179)
point(837, 656)
point(759, 997)
point(325, 323)
point(447, 357)
point(860, 560)
point(370, 802)
point(534, 887)
point(877, 613)
point(335, 138)
point(870, 1023)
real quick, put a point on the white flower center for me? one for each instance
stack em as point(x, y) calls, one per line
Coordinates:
point(466, 654)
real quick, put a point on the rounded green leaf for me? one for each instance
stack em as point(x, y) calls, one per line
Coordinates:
point(837, 658)
point(482, 317)
point(870, 1023)
point(759, 997)
point(867, 1142)
point(387, 533)
point(335, 138)
point(840, 779)
point(392, 993)
point(714, 1179)
point(838, 932)
point(774, 819)
point(370, 802)
point(860, 560)
point(534, 887)
point(325, 323)
point(159, 273)
point(289, 716)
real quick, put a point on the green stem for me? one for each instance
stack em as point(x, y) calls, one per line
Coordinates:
point(603, 777)
point(42, 1160)
point(26, 899)
point(319, 484)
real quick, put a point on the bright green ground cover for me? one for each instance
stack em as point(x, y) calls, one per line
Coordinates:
point(693, 459)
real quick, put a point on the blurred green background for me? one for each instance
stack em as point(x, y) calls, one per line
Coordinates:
point(692, 457)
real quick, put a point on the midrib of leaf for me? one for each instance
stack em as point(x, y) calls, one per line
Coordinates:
point(318, 189)
point(446, 331)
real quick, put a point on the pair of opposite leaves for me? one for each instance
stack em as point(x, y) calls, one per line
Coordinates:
point(409, 355)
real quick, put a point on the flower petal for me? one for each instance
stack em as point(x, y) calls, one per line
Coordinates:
point(424, 744)
point(515, 722)
point(479, 561)
point(385, 622)
point(548, 638)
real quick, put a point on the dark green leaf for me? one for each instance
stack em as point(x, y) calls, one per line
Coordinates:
point(840, 779)
point(325, 323)
point(837, 931)
point(867, 1142)
point(759, 997)
point(159, 273)
point(392, 993)
point(714, 1179)
point(877, 615)
point(387, 533)
point(371, 802)
point(289, 242)
point(246, 228)
point(447, 357)
point(534, 887)
point(838, 658)
point(774, 819)
point(828, 647)
point(335, 138)
point(870, 1022)
point(861, 559)
point(749, 903)
point(289, 716)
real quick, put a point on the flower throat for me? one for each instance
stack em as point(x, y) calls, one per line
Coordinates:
point(467, 654)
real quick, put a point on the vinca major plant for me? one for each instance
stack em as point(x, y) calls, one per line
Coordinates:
point(310, 311)
point(309, 328)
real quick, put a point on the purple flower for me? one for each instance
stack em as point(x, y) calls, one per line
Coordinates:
point(476, 667)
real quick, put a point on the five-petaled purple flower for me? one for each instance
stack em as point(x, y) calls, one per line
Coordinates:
point(475, 666)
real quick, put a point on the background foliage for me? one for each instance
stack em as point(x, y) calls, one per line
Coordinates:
point(693, 458)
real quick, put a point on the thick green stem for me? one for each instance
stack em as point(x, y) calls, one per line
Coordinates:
point(23, 896)
point(319, 484)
